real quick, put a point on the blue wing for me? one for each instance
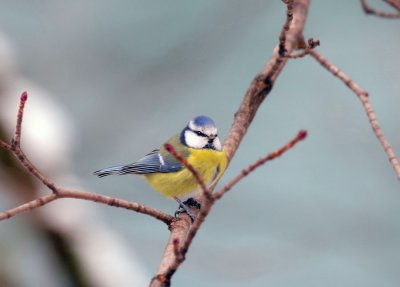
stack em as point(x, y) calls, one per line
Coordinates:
point(151, 163)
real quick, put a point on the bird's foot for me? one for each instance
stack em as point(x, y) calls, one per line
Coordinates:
point(193, 203)
point(187, 206)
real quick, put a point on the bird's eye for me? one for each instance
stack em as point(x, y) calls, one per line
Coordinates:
point(199, 133)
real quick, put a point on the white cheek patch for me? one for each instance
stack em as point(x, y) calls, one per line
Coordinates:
point(194, 141)
point(217, 144)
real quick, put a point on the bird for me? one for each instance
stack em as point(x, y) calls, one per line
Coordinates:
point(200, 145)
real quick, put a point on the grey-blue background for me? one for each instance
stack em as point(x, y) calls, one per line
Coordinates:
point(131, 73)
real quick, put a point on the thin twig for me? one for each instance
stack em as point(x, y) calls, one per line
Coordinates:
point(15, 147)
point(58, 192)
point(300, 136)
point(363, 96)
point(298, 55)
point(17, 136)
point(28, 206)
point(183, 160)
point(89, 196)
point(394, 3)
point(262, 84)
point(306, 50)
point(368, 10)
point(5, 145)
point(20, 155)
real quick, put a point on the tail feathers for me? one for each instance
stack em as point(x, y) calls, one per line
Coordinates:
point(110, 171)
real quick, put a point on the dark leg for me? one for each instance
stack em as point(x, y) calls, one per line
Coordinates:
point(186, 206)
point(191, 202)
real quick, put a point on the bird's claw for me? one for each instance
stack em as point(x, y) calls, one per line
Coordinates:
point(187, 206)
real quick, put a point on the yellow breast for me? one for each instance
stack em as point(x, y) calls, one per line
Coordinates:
point(210, 164)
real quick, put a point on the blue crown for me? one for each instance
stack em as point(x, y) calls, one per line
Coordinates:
point(203, 121)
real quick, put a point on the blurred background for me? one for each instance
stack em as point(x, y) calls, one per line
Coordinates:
point(111, 80)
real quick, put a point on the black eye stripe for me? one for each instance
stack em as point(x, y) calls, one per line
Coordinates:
point(199, 133)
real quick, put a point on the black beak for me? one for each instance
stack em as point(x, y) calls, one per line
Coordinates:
point(210, 144)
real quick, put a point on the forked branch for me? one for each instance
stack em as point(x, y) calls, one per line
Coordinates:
point(290, 39)
point(262, 84)
point(311, 44)
point(363, 96)
point(182, 234)
point(245, 172)
point(59, 192)
point(391, 15)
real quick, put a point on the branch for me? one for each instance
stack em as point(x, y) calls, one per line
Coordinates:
point(205, 210)
point(17, 136)
point(171, 260)
point(306, 50)
point(183, 161)
point(17, 151)
point(182, 234)
point(89, 196)
point(245, 172)
point(15, 147)
point(368, 10)
point(290, 39)
point(363, 96)
point(285, 28)
point(58, 192)
point(262, 84)
point(5, 145)
point(394, 3)
point(176, 258)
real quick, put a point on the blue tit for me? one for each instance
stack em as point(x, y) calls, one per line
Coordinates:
point(198, 142)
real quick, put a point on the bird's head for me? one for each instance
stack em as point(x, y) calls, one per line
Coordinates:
point(201, 133)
